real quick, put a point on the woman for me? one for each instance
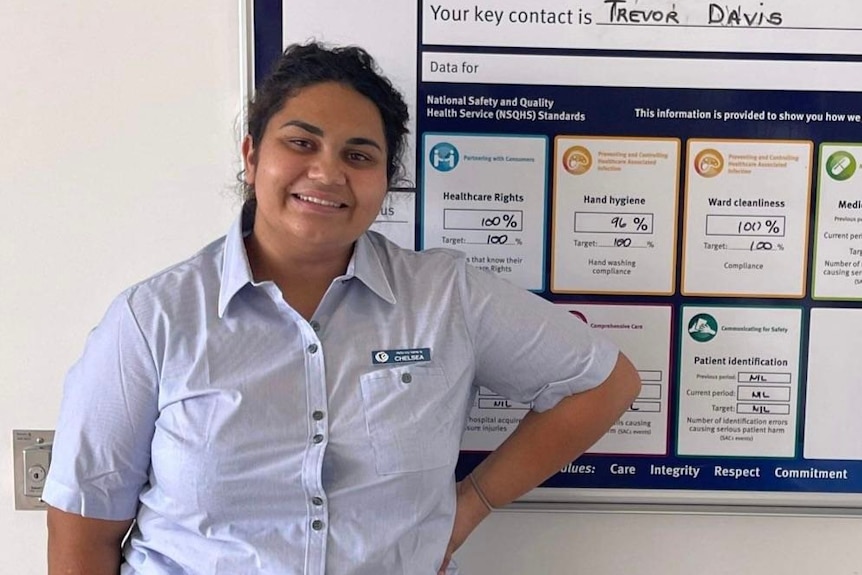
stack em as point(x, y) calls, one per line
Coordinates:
point(291, 399)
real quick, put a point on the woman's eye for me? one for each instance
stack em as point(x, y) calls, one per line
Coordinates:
point(358, 157)
point(299, 143)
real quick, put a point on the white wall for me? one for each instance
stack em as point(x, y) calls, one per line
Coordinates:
point(117, 157)
point(566, 543)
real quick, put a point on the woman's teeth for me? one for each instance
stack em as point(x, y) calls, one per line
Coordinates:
point(318, 201)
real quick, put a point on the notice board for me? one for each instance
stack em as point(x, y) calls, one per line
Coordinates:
point(684, 177)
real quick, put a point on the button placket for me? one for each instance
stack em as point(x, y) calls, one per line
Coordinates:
point(317, 416)
point(317, 518)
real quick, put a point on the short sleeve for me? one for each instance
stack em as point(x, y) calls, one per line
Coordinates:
point(101, 453)
point(528, 349)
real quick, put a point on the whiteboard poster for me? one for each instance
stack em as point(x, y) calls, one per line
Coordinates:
point(684, 177)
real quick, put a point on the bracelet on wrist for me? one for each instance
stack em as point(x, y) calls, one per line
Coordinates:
point(479, 492)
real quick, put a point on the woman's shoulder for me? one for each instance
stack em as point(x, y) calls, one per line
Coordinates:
point(386, 248)
point(194, 277)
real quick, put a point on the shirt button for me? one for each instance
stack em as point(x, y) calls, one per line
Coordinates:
point(406, 377)
point(317, 524)
point(317, 501)
point(315, 326)
point(317, 438)
point(317, 415)
point(312, 348)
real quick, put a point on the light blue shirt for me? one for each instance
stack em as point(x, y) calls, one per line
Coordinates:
point(245, 439)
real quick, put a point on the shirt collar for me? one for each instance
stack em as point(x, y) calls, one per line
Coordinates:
point(364, 265)
point(236, 271)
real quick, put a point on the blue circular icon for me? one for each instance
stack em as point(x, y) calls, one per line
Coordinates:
point(444, 157)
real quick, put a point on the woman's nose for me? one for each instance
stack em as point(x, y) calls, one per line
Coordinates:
point(327, 168)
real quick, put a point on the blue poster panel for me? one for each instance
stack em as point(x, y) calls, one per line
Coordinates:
point(683, 178)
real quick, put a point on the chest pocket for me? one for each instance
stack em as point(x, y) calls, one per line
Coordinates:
point(410, 418)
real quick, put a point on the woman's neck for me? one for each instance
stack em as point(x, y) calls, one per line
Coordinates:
point(302, 276)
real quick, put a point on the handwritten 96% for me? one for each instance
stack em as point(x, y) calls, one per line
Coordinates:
point(589, 222)
point(640, 223)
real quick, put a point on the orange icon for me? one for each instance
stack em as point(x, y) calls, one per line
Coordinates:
point(709, 163)
point(577, 160)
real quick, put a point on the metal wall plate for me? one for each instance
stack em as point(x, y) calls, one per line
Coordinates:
point(31, 454)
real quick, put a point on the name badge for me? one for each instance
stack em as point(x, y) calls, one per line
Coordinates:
point(400, 355)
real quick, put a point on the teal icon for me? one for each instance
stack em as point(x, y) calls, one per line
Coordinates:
point(444, 157)
point(841, 166)
point(702, 327)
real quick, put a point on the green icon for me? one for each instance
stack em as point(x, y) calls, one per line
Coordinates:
point(841, 166)
point(702, 327)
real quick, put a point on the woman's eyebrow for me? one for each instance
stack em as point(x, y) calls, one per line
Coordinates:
point(305, 126)
point(312, 129)
point(364, 142)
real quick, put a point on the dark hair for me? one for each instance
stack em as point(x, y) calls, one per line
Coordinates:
point(303, 65)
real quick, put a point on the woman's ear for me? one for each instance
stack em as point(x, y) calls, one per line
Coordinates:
point(249, 160)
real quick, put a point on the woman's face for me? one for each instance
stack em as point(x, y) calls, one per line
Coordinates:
point(319, 171)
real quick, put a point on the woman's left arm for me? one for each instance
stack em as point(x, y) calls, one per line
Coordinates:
point(540, 446)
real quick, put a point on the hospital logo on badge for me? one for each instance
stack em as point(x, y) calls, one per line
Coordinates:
point(708, 163)
point(381, 357)
point(444, 157)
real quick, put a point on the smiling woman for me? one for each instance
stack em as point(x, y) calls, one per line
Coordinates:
point(324, 142)
point(318, 176)
point(291, 399)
